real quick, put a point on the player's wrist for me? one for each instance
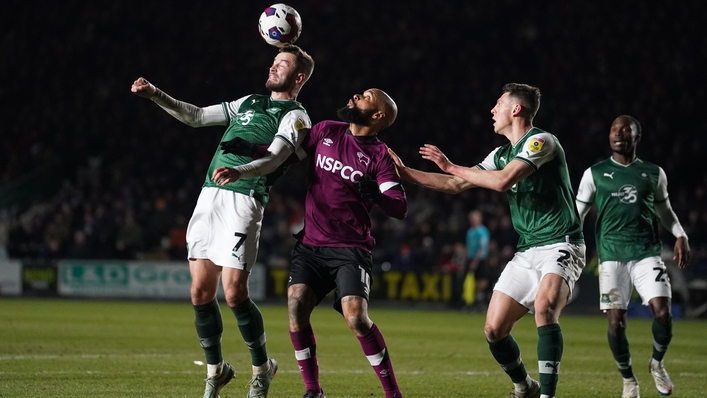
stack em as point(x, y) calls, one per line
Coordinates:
point(157, 96)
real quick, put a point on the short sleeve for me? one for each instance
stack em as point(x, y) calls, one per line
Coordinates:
point(294, 127)
point(538, 150)
point(488, 162)
point(661, 189)
point(587, 189)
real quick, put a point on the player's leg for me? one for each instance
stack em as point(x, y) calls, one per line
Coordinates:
point(205, 278)
point(234, 238)
point(560, 266)
point(551, 298)
point(653, 285)
point(301, 301)
point(252, 329)
point(355, 311)
point(353, 282)
point(615, 288)
point(209, 324)
point(503, 313)
point(512, 298)
point(309, 282)
point(248, 316)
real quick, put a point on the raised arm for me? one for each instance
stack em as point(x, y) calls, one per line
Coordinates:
point(439, 182)
point(186, 113)
point(497, 180)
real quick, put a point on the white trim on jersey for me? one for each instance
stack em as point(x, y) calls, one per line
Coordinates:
point(585, 194)
point(293, 129)
point(488, 163)
point(539, 155)
point(387, 185)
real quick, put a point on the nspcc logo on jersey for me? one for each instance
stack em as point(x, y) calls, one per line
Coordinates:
point(335, 166)
point(626, 194)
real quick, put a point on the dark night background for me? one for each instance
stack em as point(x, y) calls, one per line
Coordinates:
point(85, 160)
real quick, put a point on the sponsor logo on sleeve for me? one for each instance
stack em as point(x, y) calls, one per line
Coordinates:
point(536, 144)
point(300, 125)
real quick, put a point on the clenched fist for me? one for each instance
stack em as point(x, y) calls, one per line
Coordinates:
point(143, 88)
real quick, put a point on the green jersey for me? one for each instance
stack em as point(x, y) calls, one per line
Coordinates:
point(542, 204)
point(258, 119)
point(626, 225)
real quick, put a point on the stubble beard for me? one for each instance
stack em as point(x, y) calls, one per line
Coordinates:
point(283, 87)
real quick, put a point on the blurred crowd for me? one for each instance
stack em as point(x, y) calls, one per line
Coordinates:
point(98, 173)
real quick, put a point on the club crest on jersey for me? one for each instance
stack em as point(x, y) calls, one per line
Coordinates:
point(363, 158)
point(244, 118)
point(536, 144)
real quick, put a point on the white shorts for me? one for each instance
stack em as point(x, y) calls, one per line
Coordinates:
point(522, 275)
point(617, 279)
point(225, 228)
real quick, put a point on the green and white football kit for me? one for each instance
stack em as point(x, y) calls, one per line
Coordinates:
point(225, 225)
point(543, 213)
point(629, 200)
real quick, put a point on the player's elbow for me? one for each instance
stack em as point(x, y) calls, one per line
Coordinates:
point(502, 185)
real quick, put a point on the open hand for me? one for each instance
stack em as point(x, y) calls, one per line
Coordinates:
point(431, 152)
point(683, 256)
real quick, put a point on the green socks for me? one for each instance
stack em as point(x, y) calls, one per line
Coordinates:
point(250, 323)
point(550, 345)
point(662, 334)
point(209, 328)
point(507, 354)
point(620, 348)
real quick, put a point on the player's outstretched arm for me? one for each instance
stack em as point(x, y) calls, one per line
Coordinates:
point(186, 113)
point(277, 153)
point(497, 180)
point(439, 182)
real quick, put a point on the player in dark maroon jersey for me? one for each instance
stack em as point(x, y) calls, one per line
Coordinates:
point(350, 170)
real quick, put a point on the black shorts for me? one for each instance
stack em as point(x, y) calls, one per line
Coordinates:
point(323, 269)
point(482, 270)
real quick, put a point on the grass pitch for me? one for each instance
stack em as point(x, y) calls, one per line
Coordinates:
point(77, 348)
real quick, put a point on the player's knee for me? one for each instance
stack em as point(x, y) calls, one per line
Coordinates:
point(494, 333)
point(546, 314)
point(235, 297)
point(358, 323)
point(663, 316)
point(617, 326)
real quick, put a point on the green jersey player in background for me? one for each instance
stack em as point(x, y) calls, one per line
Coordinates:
point(532, 170)
point(224, 231)
point(629, 193)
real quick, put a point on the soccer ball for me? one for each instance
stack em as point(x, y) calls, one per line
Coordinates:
point(280, 24)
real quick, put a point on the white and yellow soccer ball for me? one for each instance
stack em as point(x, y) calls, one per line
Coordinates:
point(280, 24)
